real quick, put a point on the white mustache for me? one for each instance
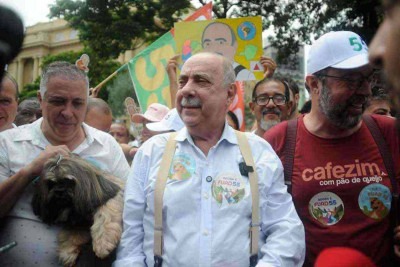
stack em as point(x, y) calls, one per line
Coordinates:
point(192, 102)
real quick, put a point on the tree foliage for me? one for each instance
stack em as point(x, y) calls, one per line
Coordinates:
point(99, 69)
point(110, 27)
point(298, 22)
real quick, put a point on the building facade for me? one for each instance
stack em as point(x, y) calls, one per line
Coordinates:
point(43, 39)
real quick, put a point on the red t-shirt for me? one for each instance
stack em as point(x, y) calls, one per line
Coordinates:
point(341, 189)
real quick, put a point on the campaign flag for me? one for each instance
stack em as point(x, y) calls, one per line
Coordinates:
point(147, 69)
point(237, 39)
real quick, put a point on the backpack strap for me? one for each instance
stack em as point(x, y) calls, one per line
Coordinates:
point(288, 152)
point(253, 179)
point(387, 160)
point(161, 181)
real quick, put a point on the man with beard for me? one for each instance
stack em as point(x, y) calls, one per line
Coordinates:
point(207, 202)
point(270, 103)
point(335, 165)
point(384, 54)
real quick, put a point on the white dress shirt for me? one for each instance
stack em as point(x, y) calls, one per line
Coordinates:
point(207, 207)
point(20, 146)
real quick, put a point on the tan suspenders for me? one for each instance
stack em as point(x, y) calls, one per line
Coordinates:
point(255, 219)
point(162, 177)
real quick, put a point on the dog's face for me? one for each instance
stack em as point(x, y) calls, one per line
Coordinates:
point(70, 190)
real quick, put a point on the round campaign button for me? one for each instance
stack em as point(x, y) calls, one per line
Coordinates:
point(182, 167)
point(375, 201)
point(228, 188)
point(326, 207)
point(208, 178)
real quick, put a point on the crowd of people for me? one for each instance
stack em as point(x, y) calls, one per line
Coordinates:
point(307, 186)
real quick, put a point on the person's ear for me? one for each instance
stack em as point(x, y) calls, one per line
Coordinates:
point(231, 93)
point(252, 106)
point(296, 98)
point(39, 96)
point(313, 83)
point(290, 105)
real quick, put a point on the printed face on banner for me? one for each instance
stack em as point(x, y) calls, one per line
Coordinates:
point(147, 69)
point(239, 40)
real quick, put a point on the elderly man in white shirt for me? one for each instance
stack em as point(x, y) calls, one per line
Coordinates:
point(64, 92)
point(207, 206)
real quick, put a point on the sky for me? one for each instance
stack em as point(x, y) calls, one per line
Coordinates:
point(31, 11)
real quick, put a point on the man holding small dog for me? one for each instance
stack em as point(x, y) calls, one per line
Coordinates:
point(64, 92)
point(207, 206)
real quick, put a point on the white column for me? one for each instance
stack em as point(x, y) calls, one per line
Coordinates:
point(20, 73)
point(35, 72)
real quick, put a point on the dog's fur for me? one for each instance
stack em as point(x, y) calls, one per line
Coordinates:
point(86, 201)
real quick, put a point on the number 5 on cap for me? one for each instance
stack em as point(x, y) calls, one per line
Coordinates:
point(357, 44)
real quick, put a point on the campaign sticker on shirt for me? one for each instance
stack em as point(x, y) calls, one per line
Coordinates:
point(375, 201)
point(182, 167)
point(228, 188)
point(326, 207)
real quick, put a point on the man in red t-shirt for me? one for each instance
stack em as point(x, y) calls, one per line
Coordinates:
point(340, 184)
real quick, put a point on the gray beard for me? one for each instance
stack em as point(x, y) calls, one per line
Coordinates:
point(337, 113)
point(266, 125)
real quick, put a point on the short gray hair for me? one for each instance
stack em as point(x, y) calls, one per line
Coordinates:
point(228, 72)
point(65, 70)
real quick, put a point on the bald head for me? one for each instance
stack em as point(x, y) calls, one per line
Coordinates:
point(219, 38)
point(98, 114)
point(206, 89)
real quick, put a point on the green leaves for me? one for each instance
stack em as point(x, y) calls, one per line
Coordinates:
point(110, 27)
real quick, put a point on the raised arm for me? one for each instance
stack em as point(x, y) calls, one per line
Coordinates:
point(269, 66)
point(172, 75)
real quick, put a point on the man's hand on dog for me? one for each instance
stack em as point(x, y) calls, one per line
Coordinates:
point(35, 167)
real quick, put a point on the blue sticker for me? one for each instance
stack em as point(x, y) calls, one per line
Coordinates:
point(375, 201)
point(246, 31)
point(182, 167)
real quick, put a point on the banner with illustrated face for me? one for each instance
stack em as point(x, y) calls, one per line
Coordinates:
point(239, 40)
point(147, 69)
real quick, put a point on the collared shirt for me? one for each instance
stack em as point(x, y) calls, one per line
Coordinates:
point(207, 207)
point(20, 146)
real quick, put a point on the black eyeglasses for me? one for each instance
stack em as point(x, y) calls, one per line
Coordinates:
point(263, 100)
point(354, 81)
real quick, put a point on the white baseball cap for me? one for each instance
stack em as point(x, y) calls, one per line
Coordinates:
point(155, 112)
point(171, 122)
point(341, 50)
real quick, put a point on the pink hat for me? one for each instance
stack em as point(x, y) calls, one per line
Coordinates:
point(155, 112)
point(343, 257)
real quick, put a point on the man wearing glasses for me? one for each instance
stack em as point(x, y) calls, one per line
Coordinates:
point(270, 103)
point(339, 182)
